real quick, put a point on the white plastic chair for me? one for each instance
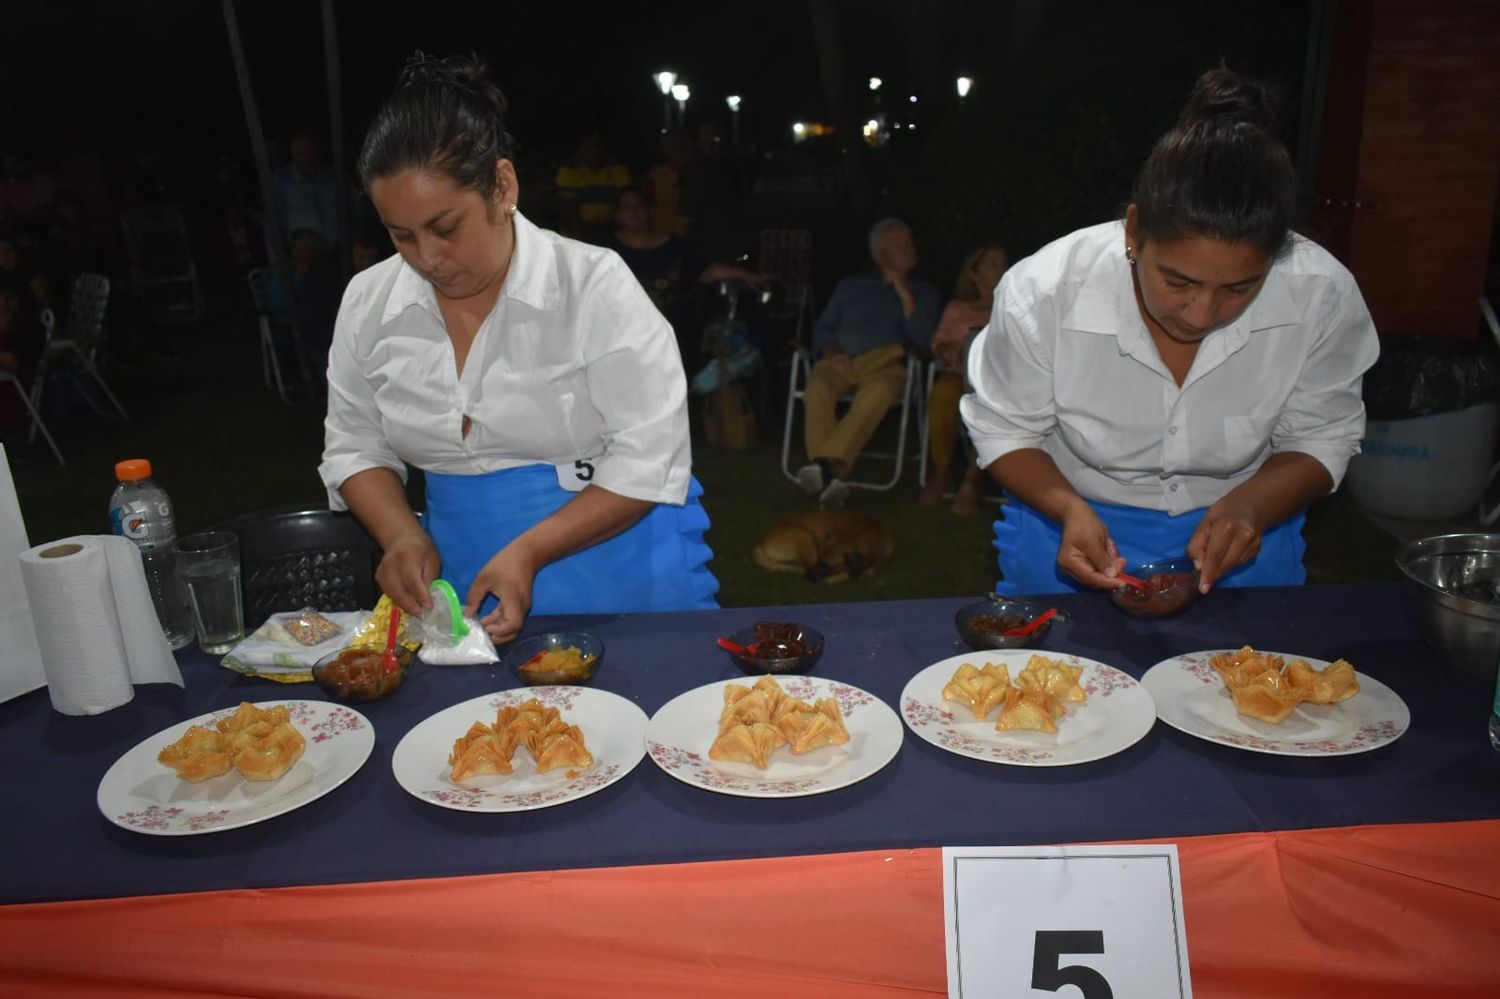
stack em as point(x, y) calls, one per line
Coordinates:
point(161, 262)
point(37, 423)
point(913, 395)
point(78, 348)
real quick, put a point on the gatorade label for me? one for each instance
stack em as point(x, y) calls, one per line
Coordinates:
point(130, 521)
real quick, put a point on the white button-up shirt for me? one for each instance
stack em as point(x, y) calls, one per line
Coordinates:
point(1067, 365)
point(573, 363)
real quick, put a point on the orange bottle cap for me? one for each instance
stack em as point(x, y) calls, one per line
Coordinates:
point(132, 469)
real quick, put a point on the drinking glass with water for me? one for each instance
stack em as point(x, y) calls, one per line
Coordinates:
point(208, 570)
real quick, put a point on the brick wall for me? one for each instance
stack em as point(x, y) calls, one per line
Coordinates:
point(1429, 163)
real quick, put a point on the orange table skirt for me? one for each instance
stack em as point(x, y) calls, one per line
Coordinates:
point(1367, 911)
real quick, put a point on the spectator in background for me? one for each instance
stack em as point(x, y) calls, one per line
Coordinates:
point(372, 244)
point(669, 268)
point(711, 199)
point(588, 189)
point(15, 267)
point(316, 291)
point(307, 194)
point(663, 184)
point(20, 344)
point(26, 193)
point(964, 316)
point(860, 342)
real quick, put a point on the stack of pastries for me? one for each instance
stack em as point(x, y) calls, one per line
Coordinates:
point(488, 749)
point(260, 744)
point(1268, 688)
point(757, 721)
point(1034, 702)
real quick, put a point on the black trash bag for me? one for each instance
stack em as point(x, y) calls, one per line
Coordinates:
point(1424, 375)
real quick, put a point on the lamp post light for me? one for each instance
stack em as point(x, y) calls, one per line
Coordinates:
point(733, 100)
point(875, 82)
point(680, 94)
point(963, 84)
point(664, 81)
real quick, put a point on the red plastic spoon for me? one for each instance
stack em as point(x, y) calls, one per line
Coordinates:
point(389, 662)
point(736, 648)
point(1031, 625)
point(1129, 580)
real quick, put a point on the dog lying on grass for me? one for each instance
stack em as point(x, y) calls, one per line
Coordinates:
point(829, 545)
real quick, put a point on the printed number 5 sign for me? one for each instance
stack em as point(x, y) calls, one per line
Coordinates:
point(1077, 922)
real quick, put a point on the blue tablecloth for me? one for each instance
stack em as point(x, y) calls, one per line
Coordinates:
point(55, 844)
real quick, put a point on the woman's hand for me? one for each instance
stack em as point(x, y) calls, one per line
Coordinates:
point(409, 564)
point(1086, 552)
point(1228, 536)
point(952, 334)
point(508, 576)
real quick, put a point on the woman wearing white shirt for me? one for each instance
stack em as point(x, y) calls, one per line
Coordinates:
point(528, 375)
point(1187, 380)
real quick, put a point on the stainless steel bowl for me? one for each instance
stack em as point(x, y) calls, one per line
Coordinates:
point(1451, 590)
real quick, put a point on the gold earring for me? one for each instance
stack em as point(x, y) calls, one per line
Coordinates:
point(1130, 255)
point(510, 210)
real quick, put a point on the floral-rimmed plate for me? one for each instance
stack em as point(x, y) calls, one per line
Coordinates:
point(1117, 715)
point(1191, 698)
point(142, 795)
point(681, 731)
point(613, 729)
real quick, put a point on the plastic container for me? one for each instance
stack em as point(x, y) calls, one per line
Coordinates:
point(1428, 467)
point(140, 510)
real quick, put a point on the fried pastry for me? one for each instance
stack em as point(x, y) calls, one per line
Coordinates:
point(248, 714)
point(1034, 710)
point(560, 745)
point(481, 750)
point(1266, 687)
point(201, 753)
point(751, 709)
point(822, 725)
point(266, 751)
point(751, 744)
point(531, 716)
point(1052, 677)
point(981, 690)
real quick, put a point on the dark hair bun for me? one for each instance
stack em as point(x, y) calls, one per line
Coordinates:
point(1222, 96)
point(466, 73)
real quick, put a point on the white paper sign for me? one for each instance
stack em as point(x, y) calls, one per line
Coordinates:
point(1078, 922)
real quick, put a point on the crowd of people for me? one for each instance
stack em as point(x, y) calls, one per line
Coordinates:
point(1185, 378)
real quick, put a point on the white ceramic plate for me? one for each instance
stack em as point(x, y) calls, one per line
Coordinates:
point(140, 794)
point(1117, 714)
point(682, 730)
point(1191, 698)
point(613, 729)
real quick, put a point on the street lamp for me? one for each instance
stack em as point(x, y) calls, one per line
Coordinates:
point(681, 93)
point(664, 80)
point(875, 82)
point(963, 83)
point(733, 100)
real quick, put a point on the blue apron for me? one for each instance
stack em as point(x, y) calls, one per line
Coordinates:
point(660, 564)
point(1028, 541)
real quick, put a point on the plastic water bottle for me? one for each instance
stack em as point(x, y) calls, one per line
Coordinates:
point(1495, 717)
point(140, 510)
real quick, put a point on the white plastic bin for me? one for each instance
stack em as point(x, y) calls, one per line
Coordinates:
point(1427, 467)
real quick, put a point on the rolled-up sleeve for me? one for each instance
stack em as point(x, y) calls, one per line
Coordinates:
point(353, 439)
point(636, 382)
point(1011, 405)
point(1325, 414)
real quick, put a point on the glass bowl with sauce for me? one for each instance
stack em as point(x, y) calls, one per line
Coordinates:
point(982, 625)
point(556, 657)
point(1171, 588)
point(357, 674)
point(776, 647)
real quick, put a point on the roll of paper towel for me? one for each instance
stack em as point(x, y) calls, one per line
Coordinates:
point(95, 622)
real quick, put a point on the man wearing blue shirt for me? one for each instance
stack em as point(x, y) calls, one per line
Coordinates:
point(860, 342)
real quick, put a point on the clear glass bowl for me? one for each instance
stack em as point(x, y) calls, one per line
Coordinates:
point(1171, 588)
point(356, 675)
point(980, 625)
point(590, 649)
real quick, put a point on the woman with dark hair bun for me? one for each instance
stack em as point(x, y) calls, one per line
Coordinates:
point(1186, 379)
point(526, 374)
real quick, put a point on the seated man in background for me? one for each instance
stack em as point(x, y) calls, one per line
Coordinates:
point(860, 342)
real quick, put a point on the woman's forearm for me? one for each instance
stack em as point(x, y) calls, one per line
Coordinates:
point(1033, 477)
point(377, 497)
point(594, 515)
